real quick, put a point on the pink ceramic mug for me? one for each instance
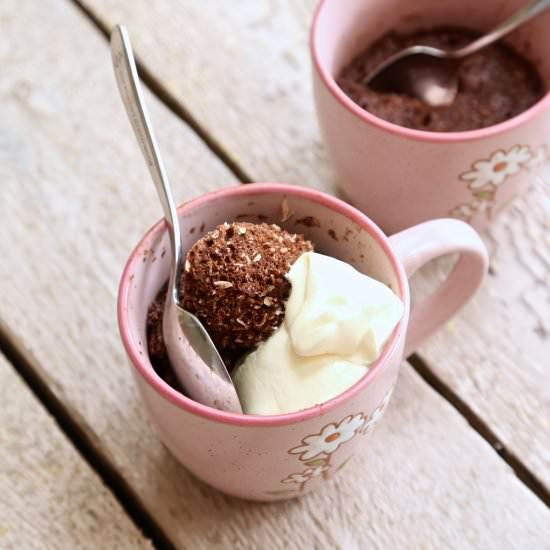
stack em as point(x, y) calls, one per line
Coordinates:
point(399, 176)
point(275, 457)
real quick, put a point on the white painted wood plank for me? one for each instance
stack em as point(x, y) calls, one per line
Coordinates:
point(495, 354)
point(76, 197)
point(49, 497)
point(428, 480)
point(242, 68)
point(245, 65)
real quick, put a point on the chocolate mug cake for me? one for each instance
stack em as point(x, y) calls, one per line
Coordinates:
point(495, 84)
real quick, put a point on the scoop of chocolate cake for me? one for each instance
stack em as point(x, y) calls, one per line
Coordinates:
point(234, 282)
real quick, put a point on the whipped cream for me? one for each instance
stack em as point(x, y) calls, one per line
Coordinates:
point(337, 321)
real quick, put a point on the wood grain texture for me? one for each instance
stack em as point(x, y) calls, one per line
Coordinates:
point(248, 67)
point(495, 355)
point(76, 198)
point(242, 70)
point(50, 498)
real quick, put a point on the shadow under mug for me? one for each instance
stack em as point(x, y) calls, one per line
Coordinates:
point(400, 176)
point(282, 456)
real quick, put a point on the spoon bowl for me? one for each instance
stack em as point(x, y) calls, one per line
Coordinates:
point(430, 74)
point(421, 72)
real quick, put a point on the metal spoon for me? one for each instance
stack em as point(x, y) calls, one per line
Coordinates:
point(194, 357)
point(430, 74)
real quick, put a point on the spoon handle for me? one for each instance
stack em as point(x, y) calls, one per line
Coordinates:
point(132, 97)
point(515, 20)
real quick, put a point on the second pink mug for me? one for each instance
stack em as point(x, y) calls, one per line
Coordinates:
point(400, 176)
point(283, 456)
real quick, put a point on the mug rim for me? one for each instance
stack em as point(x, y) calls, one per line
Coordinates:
point(411, 133)
point(143, 365)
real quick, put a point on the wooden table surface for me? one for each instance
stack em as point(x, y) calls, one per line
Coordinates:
point(462, 459)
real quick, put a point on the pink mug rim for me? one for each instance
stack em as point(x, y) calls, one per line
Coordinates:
point(409, 133)
point(144, 367)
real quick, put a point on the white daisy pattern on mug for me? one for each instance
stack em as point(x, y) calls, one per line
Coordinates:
point(306, 475)
point(329, 438)
point(540, 156)
point(317, 450)
point(483, 203)
point(465, 211)
point(487, 176)
point(499, 166)
point(376, 416)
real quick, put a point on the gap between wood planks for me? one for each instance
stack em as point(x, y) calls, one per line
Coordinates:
point(84, 444)
point(164, 95)
point(121, 489)
point(481, 427)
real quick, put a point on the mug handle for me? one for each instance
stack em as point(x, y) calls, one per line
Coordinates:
point(422, 243)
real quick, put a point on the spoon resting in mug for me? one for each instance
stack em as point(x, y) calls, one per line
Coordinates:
point(192, 353)
point(430, 74)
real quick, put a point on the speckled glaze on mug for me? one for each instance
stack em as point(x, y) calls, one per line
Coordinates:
point(399, 176)
point(277, 457)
